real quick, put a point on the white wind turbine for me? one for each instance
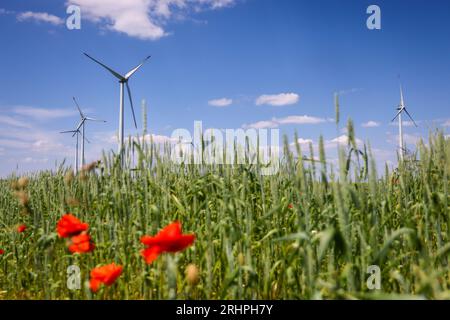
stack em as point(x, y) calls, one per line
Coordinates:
point(82, 125)
point(77, 133)
point(123, 80)
point(402, 108)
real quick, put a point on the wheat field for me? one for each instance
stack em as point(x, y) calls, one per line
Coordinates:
point(309, 231)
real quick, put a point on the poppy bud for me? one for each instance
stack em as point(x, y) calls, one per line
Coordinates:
point(241, 259)
point(68, 178)
point(23, 198)
point(23, 182)
point(192, 274)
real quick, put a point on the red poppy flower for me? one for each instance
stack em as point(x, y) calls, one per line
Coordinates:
point(2, 251)
point(21, 228)
point(290, 206)
point(81, 244)
point(169, 239)
point(69, 226)
point(106, 275)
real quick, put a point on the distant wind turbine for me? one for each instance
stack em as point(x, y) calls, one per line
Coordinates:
point(82, 125)
point(123, 80)
point(77, 133)
point(402, 108)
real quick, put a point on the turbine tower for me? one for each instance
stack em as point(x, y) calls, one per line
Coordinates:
point(402, 108)
point(82, 125)
point(123, 80)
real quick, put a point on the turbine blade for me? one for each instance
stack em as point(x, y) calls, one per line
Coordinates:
point(92, 119)
point(80, 124)
point(79, 109)
point(132, 71)
point(131, 102)
point(117, 75)
point(68, 131)
point(410, 117)
point(398, 113)
point(75, 132)
point(87, 140)
point(402, 101)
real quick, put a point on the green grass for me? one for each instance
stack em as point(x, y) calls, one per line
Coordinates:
point(250, 244)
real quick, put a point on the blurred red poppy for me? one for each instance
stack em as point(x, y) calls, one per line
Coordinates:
point(290, 206)
point(105, 274)
point(169, 239)
point(2, 251)
point(69, 226)
point(81, 244)
point(21, 228)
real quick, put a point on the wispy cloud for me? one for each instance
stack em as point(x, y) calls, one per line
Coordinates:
point(341, 140)
point(43, 114)
point(262, 124)
point(35, 160)
point(4, 11)
point(40, 17)
point(278, 100)
point(303, 142)
point(348, 91)
point(276, 122)
point(371, 124)
point(10, 121)
point(224, 102)
point(14, 144)
point(143, 19)
point(412, 139)
point(405, 123)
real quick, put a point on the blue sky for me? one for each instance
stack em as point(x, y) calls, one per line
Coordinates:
point(272, 63)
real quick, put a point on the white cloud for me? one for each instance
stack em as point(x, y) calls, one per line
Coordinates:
point(278, 100)
point(303, 142)
point(4, 11)
point(405, 123)
point(411, 138)
point(35, 160)
point(446, 123)
point(275, 122)
point(43, 114)
point(158, 139)
point(224, 102)
point(40, 17)
point(262, 124)
point(143, 19)
point(407, 138)
point(15, 144)
point(342, 140)
point(371, 124)
point(301, 120)
point(111, 138)
point(13, 122)
point(348, 91)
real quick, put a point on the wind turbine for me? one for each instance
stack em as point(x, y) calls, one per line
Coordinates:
point(402, 108)
point(123, 80)
point(77, 133)
point(82, 125)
